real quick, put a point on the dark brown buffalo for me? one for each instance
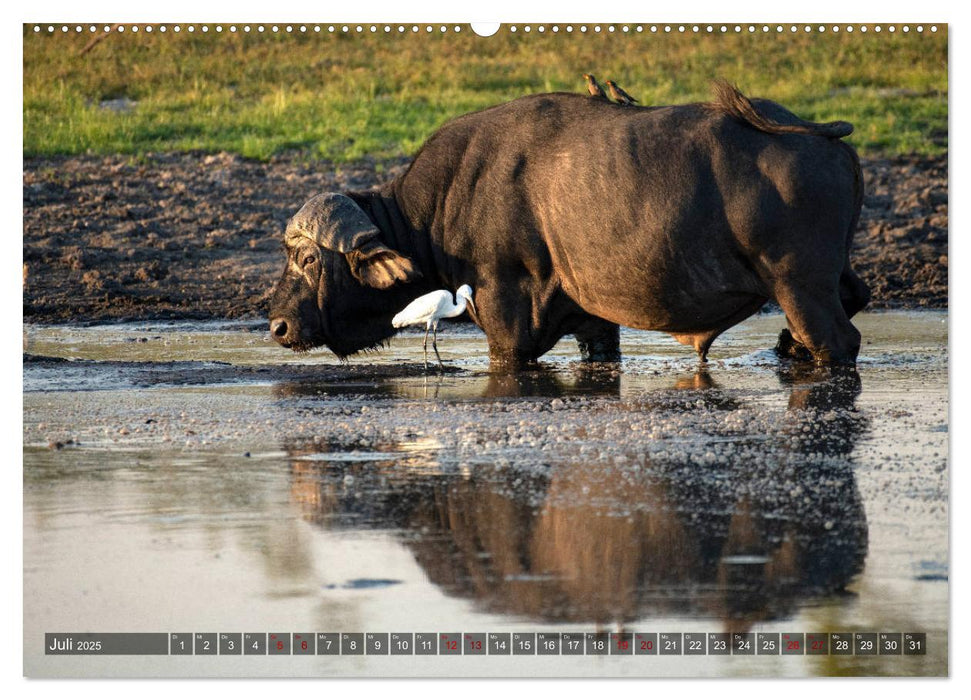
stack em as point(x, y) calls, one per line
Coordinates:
point(571, 215)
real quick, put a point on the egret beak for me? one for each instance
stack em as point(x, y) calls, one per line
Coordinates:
point(472, 305)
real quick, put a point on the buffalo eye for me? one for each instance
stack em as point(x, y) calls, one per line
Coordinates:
point(309, 260)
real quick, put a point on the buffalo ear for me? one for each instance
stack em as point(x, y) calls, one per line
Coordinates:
point(381, 267)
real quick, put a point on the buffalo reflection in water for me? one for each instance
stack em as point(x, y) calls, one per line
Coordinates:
point(742, 539)
point(597, 379)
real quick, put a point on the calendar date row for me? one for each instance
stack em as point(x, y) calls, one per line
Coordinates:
point(490, 643)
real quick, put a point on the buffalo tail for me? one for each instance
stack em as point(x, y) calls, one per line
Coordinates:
point(729, 99)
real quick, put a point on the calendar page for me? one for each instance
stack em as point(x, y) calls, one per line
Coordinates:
point(582, 349)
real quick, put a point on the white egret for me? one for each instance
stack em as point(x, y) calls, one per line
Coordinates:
point(430, 309)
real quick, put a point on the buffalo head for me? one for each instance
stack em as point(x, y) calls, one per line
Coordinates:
point(336, 287)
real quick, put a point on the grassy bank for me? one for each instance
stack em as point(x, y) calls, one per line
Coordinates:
point(344, 96)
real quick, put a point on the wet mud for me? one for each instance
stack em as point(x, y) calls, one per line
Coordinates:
point(199, 236)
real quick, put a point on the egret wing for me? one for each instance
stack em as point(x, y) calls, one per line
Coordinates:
point(423, 309)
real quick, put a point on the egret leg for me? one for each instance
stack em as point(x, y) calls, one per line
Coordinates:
point(435, 346)
point(424, 347)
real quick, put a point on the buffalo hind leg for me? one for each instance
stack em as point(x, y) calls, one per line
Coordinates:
point(599, 341)
point(854, 294)
point(819, 328)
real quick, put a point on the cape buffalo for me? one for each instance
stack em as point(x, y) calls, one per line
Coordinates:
point(573, 215)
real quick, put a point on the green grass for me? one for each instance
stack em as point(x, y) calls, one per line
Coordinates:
point(342, 97)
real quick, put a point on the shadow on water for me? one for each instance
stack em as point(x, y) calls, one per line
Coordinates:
point(541, 382)
point(750, 533)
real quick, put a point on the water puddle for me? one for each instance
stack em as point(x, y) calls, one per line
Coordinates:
point(185, 476)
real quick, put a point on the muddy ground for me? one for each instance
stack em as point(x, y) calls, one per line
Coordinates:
point(199, 236)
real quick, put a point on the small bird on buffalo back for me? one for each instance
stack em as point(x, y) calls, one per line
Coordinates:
point(430, 309)
point(593, 87)
point(619, 95)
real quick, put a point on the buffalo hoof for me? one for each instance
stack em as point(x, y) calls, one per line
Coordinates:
point(790, 348)
point(599, 350)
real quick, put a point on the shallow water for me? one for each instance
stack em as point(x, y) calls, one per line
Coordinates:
point(197, 478)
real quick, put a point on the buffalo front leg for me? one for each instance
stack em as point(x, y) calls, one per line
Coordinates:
point(519, 327)
point(599, 341)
